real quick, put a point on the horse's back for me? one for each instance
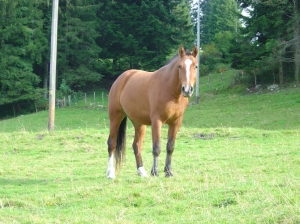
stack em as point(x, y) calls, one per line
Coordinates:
point(131, 82)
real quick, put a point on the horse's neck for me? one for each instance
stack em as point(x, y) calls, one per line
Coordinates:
point(169, 75)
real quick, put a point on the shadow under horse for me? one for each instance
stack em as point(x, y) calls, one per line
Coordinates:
point(150, 99)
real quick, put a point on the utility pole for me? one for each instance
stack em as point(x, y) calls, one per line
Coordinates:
point(236, 21)
point(53, 56)
point(198, 57)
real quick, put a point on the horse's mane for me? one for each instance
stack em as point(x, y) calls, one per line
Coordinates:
point(187, 51)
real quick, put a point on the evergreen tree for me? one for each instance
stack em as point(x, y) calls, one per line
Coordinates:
point(217, 16)
point(22, 44)
point(78, 53)
point(219, 23)
point(140, 34)
point(268, 39)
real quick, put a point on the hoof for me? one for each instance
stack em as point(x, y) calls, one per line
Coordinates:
point(111, 177)
point(142, 172)
point(111, 174)
point(168, 174)
point(154, 173)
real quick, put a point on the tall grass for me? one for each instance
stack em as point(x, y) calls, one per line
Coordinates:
point(236, 160)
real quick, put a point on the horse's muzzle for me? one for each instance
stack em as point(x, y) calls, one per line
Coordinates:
point(187, 91)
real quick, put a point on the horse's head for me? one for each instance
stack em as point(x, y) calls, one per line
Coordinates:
point(187, 65)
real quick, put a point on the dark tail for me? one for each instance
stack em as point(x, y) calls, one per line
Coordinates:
point(121, 143)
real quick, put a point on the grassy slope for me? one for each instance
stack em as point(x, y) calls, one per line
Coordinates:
point(236, 161)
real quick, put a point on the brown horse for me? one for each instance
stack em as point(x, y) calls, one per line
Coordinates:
point(150, 98)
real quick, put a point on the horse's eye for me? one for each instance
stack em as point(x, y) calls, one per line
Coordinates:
point(196, 66)
point(179, 66)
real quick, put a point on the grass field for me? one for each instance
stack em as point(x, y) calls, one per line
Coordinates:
point(236, 160)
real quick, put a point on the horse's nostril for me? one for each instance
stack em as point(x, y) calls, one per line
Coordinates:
point(189, 89)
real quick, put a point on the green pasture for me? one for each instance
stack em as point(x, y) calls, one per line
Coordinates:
point(236, 160)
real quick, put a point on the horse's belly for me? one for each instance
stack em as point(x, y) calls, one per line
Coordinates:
point(140, 116)
point(137, 111)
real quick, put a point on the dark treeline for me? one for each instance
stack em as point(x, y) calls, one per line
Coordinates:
point(98, 40)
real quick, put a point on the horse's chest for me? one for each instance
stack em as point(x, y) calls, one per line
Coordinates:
point(173, 111)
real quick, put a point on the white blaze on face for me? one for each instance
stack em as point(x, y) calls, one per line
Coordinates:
point(187, 63)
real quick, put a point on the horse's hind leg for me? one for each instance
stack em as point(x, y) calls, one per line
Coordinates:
point(112, 144)
point(137, 145)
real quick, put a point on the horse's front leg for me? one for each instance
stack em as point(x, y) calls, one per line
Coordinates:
point(172, 132)
point(156, 128)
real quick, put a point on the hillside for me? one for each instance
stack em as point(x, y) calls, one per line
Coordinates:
point(221, 105)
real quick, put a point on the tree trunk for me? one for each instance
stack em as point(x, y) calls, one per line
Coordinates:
point(280, 73)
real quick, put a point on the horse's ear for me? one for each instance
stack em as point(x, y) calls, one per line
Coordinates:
point(195, 51)
point(181, 51)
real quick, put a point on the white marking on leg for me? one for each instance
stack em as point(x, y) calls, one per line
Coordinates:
point(111, 169)
point(142, 172)
point(188, 63)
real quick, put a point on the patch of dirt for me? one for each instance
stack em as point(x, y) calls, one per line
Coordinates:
point(204, 136)
point(265, 89)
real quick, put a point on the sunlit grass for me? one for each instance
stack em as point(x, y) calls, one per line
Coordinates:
point(228, 177)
